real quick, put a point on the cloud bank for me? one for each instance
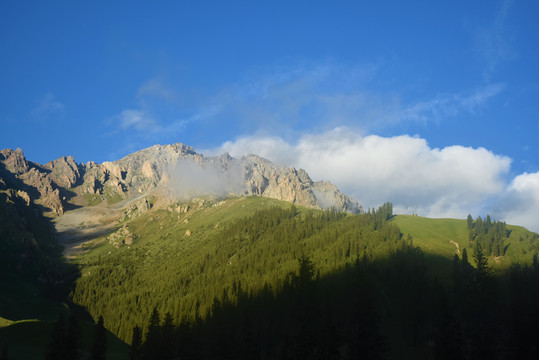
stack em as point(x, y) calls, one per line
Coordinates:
point(520, 202)
point(449, 182)
point(189, 179)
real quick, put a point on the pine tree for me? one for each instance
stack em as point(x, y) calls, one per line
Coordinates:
point(57, 346)
point(152, 343)
point(73, 338)
point(136, 344)
point(465, 262)
point(481, 261)
point(99, 345)
point(167, 337)
point(3, 355)
point(306, 271)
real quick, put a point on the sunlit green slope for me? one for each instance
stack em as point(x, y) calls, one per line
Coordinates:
point(448, 237)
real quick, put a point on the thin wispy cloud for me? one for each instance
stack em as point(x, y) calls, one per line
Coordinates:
point(287, 103)
point(331, 95)
point(47, 107)
point(494, 40)
point(138, 119)
point(449, 105)
point(155, 88)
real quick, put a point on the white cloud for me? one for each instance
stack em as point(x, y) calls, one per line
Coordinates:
point(138, 119)
point(47, 107)
point(270, 147)
point(520, 202)
point(448, 182)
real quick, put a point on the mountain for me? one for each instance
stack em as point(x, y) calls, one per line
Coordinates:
point(175, 171)
point(235, 258)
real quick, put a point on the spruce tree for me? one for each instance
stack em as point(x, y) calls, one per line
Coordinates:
point(99, 345)
point(136, 344)
point(4, 356)
point(167, 337)
point(465, 262)
point(73, 338)
point(152, 343)
point(481, 262)
point(57, 346)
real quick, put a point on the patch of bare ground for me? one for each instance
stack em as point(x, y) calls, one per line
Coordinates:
point(457, 245)
point(76, 227)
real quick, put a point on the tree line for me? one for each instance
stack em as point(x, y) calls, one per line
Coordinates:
point(489, 235)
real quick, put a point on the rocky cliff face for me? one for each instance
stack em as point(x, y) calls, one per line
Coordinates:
point(174, 167)
point(37, 182)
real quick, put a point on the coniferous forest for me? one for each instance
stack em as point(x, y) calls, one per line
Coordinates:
point(291, 283)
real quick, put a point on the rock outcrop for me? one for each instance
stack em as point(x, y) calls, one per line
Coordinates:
point(37, 181)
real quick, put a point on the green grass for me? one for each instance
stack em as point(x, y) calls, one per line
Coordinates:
point(22, 300)
point(204, 218)
point(92, 199)
point(435, 236)
point(29, 339)
point(112, 196)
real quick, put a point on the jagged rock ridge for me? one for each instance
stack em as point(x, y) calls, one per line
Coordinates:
point(175, 166)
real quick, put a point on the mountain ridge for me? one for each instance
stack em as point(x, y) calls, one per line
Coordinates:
point(178, 168)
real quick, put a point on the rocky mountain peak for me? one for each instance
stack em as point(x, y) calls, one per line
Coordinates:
point(179, 167)
point(34, 181)
point(14, 161)
point(65, 171)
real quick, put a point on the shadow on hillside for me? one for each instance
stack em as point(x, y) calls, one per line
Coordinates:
point(392, 308)
point(37, 277)
point(373, 310)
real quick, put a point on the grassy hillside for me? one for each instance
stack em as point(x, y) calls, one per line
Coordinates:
point(437, 236)
point(447, 237)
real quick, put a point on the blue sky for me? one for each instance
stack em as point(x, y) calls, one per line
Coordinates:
point(426, 85)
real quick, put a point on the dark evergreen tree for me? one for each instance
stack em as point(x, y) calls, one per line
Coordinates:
point(57, 346)
point(4, 354)
point(481, 262)
point(152, 344)
point(136, 344)
point(306, 272)
point(449, 336)
point(465, 262)
point(73, 338)
point(99, 344)
point(168, 347)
